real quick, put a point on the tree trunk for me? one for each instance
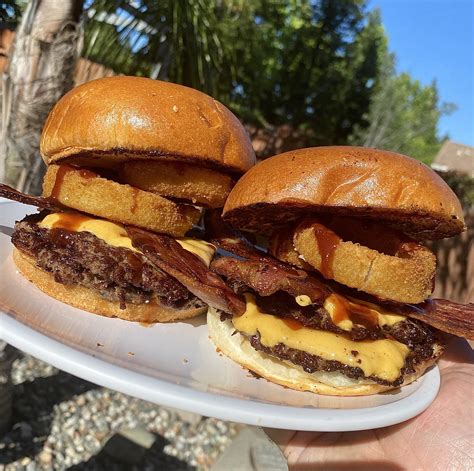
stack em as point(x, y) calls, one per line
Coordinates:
point(40, 70)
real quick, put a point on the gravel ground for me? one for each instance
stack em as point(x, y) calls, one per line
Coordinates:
point(62, 422)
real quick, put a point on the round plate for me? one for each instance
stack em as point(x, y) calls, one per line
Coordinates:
point(175, 364)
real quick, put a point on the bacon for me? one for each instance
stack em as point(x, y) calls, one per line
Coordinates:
point(268, 278)
point(165, 253)
point(444, 315)
point(260, 271)
point(38, 201)
point(228, 239)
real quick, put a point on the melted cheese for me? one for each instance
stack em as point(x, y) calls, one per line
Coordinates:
point(385, 318)
point(381, 358)
point(110, 232)
point(116, 235)
point(204, 250)
point(303, 300)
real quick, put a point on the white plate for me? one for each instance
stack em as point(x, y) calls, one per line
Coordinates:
point(175, 364)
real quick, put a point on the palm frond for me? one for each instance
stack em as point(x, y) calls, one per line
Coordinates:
point(178, 40)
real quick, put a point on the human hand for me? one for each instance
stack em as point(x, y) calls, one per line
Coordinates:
point(441, 438)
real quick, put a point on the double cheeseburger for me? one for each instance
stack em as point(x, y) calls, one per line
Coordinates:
point(132, 165)
point(340, 303)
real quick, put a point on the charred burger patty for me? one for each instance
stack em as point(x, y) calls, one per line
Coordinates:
point(117, 273)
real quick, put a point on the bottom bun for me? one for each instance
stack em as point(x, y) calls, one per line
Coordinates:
point(237, 347)
point(90, 300)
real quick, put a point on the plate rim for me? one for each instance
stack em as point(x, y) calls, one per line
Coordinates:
point(168, 394)
point(251, 412)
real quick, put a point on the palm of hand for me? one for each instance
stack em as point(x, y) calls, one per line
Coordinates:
point(441, 438)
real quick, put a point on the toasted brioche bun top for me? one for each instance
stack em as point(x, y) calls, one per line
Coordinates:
point(352, 181)
point(116, 119)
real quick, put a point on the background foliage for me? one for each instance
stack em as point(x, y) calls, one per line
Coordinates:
point(10, 12)
point(323, 67)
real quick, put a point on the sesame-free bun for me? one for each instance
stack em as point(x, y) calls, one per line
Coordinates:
point(110, 120)
point(91, 301)
point(237, 347)
point(348, 181)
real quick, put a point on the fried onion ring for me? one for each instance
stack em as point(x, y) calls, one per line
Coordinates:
point(86, 191)
point(390, 266)
point(177, 180)
point(280, 245)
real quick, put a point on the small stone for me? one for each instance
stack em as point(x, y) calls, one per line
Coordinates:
point(31, 466)
point(45, 457)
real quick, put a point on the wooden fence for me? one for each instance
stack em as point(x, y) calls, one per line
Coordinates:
point(455, 273)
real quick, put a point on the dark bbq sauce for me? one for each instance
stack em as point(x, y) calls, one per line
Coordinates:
point(357, 313)
point(293, 324)
point(327, 243)
point(62, 171)
point(70, 221)
point(134, 206)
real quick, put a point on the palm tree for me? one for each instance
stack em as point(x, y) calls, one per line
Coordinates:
point(179, 40)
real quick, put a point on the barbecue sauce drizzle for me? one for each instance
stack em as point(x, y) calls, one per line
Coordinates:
point(70, 221)
point(62, 171)
point(293, 324)
point(135, 192)
point(355, 312)
point(327, 244)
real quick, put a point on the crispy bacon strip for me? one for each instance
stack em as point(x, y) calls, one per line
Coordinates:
point(260, 271)
point(226, 238)
point(38, 201)
point(165, 253)
point(268, 278)
point(444, 315)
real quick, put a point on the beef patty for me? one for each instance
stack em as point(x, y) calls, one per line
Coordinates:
point(311, 363)
point(409, 331)
point(419, 337)
point(80, 258)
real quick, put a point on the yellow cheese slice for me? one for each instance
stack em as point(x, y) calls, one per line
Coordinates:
point(381, 358)
point(116, 235)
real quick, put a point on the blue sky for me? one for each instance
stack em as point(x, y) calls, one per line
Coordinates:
point(434, 39)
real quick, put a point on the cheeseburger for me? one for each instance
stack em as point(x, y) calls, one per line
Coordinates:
point(340, 302)
point(132, 163)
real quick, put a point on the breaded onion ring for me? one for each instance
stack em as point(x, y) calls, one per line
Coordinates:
point(86, 191)
point(198, 185)
point(280, 245)
point(390, 267)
